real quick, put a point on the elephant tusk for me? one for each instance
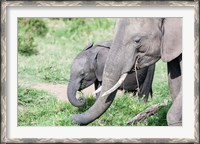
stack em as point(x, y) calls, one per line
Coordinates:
point(98, 90)
point(120, 81)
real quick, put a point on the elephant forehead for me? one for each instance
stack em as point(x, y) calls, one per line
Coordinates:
point(142, 20)
point(144, 24)
point(142, 27)
point(79, 63)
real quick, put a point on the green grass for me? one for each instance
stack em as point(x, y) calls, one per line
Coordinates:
point(64, 40)
point(40, 108)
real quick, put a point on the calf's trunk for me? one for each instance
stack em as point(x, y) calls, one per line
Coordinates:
point(71, 93)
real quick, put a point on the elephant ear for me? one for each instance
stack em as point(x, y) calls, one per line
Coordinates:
point(88, 46)
point(106, 44)
point(99, 63)
point(172, 39)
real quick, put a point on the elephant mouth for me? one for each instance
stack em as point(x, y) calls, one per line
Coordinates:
point(84, 83)
point(82, 86)
point(147, 60)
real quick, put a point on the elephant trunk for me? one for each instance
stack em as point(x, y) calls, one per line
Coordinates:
point(100, 106)
point(118, 63)
point(113, 70)
point(71, 93)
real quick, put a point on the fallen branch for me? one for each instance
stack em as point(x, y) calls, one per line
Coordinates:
point(149, 111)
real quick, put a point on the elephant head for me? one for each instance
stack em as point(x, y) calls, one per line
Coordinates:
point(85, 69)
point(138, 42)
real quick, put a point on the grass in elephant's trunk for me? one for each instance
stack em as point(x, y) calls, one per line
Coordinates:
point(89, 102)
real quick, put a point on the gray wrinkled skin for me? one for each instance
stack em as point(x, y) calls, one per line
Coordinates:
point(149, 39)
point(87, 68)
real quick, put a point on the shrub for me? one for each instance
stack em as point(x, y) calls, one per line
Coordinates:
point(28, 29)
point(85, 25)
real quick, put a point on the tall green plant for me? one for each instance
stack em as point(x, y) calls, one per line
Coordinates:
point(28, 29)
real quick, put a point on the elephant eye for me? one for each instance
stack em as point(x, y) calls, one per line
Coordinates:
point(137, 40)
point(85, 74)
point(82, 73)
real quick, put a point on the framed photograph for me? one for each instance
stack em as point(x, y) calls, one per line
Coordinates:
point(100, 71)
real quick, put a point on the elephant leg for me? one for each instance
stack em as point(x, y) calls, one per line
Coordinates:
point(174, 68)
point(174, 115)
point(97, 84)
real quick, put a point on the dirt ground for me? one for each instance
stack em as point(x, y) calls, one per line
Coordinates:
point(60, 90)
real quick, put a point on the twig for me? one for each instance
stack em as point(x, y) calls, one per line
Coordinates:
point(149, 111)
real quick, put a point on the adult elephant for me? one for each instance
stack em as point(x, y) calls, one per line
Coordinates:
point(87, 69)
point(141, 42)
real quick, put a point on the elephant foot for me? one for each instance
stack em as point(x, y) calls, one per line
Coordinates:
point(174, 118)
point(174, 115)
point(175, 124)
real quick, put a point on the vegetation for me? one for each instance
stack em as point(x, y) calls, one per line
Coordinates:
point(57, 42)
point(28, 30)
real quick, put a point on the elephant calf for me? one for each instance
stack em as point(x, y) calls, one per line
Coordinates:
point(87, 69)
